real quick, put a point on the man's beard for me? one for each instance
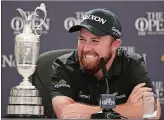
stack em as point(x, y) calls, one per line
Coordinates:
point(91, 66)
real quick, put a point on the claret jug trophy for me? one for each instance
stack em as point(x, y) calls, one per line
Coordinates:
point(24, 100)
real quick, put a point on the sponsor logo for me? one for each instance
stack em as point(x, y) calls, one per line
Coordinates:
point(116, 31)
point(94, 18)
point(120, 96)
point(152, 24)
point(61, 83)
point(81, 95)
point(159, 88)
point(132, 49)
point(17, 24)
point(71, 21)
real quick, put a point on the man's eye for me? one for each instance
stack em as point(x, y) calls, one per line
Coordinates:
point(81, 39)
point(96, 41)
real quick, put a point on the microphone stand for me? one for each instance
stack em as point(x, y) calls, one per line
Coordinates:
point(110, 113)
point(107, 112)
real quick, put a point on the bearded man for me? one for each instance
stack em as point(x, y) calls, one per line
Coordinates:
point(77, 78)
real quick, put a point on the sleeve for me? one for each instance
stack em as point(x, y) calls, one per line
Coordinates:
point(62, 84)
point(140, 73)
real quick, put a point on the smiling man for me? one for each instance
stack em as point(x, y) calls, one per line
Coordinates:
point(77, 80)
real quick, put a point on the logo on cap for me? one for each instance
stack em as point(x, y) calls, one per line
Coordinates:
point(94, 18)
point(116, 31)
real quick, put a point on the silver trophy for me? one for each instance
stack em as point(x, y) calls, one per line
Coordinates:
point(24, 99)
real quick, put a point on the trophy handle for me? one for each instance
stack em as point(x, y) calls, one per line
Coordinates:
point(22, 13)
point(42, 7)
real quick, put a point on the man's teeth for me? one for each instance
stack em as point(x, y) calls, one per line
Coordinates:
point(90, 56)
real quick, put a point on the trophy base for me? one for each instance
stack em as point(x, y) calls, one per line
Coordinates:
point(25, 110)
point(23, 116)
point(25, 103)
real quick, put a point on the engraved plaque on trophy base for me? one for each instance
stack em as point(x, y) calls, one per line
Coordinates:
point(25, 103)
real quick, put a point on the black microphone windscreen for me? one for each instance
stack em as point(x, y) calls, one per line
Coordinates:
point(103, 66)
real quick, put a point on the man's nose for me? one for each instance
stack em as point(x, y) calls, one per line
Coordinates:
point(87, 47)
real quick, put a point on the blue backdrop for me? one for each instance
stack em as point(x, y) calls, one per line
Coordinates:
point(142, 23)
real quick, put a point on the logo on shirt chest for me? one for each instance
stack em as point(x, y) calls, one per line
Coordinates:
point(82, 95)
point(61, 83)
point(120, 96)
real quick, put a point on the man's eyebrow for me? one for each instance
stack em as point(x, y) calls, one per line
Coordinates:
point(80, 36)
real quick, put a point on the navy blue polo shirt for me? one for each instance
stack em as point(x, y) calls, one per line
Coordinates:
point(127, 71)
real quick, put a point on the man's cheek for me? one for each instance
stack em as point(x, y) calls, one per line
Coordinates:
point(80, 47)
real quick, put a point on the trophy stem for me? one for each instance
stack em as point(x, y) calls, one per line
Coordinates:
point(25, 84)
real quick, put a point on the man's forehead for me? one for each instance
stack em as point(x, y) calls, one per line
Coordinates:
point(85, 32)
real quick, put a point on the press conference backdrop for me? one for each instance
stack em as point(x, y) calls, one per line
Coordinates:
point(142, 24)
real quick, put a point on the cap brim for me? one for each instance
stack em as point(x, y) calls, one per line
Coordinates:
point(92, 29)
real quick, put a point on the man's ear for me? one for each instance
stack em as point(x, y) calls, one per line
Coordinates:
point(116, 44)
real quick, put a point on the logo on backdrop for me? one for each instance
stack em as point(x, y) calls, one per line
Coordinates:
point(151, 24)
point(8, 61)
point(132, 49)
point(159, 87)
point(17, 24)
point(71, 21)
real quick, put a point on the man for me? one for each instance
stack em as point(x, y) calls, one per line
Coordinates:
point(77, 79)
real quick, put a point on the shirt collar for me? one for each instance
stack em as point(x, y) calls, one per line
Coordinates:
point(73, 59)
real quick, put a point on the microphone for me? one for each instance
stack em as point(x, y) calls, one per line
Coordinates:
point(104, 71)
point(107, 101)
